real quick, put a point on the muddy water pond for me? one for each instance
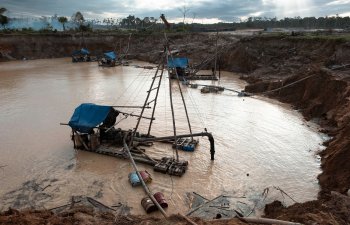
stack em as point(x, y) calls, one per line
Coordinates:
point(260, 143)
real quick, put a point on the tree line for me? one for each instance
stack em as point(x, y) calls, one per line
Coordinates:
point(78, 22)
point(3, 19)
point(332, 22)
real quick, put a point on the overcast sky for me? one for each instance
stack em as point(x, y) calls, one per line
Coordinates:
point(202, 10)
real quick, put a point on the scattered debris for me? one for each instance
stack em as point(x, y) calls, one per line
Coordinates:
point(212, 89)
point(210, 209)
point(339, 67)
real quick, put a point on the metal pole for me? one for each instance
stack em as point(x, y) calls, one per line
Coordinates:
point(129, 106)
point(139, 116)
point(178, 83)
point(216, 52)
point(172, 107)
point(148, 192)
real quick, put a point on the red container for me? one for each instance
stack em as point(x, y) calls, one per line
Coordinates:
point(146, 177)
point(148, 205)
point(160, 199)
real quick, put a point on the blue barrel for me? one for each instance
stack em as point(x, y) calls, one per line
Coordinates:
point(189, 148)
point(134, 179)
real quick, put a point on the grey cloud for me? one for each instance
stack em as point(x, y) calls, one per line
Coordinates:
point(224, 10)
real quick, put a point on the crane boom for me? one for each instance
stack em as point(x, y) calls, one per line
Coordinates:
point(167, 24)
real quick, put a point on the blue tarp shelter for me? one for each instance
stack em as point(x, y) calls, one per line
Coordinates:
point(110, 55)
point(82, 51)
point(178, 62)
point(87, 116)
point(85, 51)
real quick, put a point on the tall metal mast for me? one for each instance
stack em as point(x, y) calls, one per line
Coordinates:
point(216, 52)
point(178, 84)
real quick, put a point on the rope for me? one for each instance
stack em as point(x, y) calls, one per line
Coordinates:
point(196, 108)
point(125, 116)
point(288, 85)
point(208, 60)
point(200, 66)
point(139, 86)
point(125, 90)
point(127, 49)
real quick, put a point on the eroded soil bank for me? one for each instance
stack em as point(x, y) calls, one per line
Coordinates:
point(85, 215)
point(141, 46)
point(299, 65)
point(298, 71)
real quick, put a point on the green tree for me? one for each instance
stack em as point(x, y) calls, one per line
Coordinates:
point(110, 22)
point(2, 10)
point(138, 22)
point(130, 21)
point(63, 20)
point(3, 19)
point(78, 19)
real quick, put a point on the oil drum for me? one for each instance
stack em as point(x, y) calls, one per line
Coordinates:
point(160, 199)
point(148, 205)
point(146, 177)
point(134, 179)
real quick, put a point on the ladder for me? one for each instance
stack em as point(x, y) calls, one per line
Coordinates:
point(155, 86)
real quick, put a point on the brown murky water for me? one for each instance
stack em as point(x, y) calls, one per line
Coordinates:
point(255, 136)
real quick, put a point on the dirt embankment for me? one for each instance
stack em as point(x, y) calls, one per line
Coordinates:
point(143, 47)
point(296, 71)
point(86, 216)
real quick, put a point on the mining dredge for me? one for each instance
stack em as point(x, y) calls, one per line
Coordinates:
point(94, 127)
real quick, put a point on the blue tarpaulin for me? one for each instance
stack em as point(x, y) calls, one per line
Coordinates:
point(111, 55)
point(85, 51)
point(82, 51)
point(178, 62)
point(87, 116)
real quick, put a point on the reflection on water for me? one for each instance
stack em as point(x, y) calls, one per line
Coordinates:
point(259, 142)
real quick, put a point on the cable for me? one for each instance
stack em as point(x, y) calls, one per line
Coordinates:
point(125, 90)
point(139, 85)
point(277, 89)
point(196, 109)
point(172, 187)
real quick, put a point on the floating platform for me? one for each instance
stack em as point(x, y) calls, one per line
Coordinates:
point(165, 165)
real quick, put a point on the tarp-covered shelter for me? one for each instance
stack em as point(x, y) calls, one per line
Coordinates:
point(178, 62)
point(82, 51)
point(110, 55)
point(87, 116)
